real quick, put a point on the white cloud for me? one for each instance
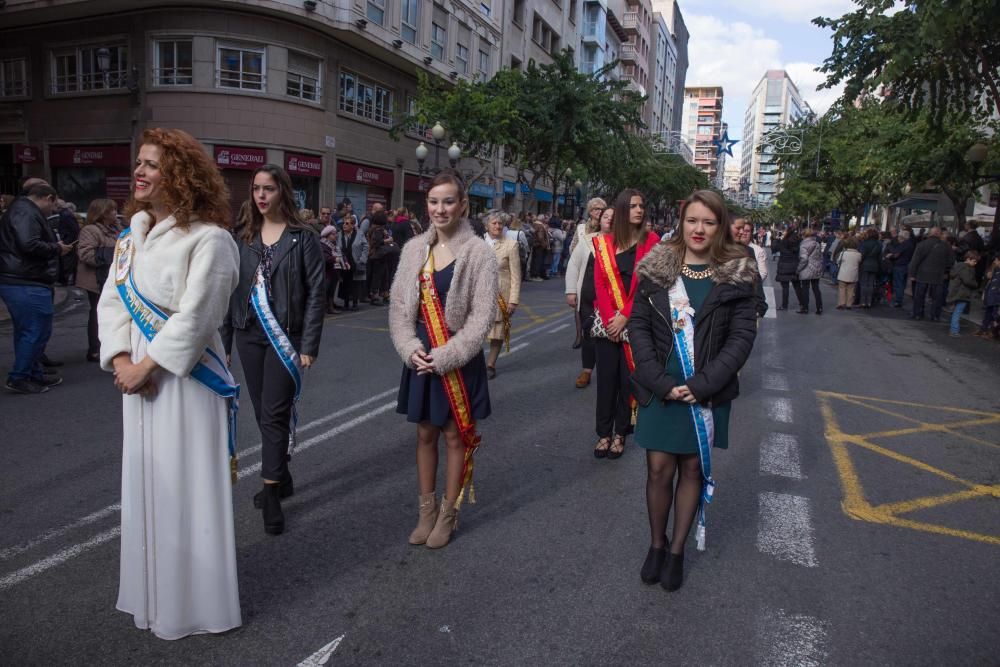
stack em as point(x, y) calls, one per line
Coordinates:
point(808, 79)
point(791, 11)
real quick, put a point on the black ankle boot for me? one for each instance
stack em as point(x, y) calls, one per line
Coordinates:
point(673, 573)
point(285, 489)
point(274, 518)
point(650, 573)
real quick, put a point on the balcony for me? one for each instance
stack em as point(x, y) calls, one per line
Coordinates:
point(592, 33)
point(630, 21)
point(629, 53)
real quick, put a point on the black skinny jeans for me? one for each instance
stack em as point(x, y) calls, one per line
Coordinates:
point(587, 353)
point(614, 414)
point(272, 391)
point(93, 342)
point(804, 286)
point(784, 292)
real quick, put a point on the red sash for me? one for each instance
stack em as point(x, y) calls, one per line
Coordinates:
point(454, 383)
point(605, 254)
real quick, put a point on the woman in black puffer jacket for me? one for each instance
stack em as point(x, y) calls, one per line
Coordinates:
point(788, 266)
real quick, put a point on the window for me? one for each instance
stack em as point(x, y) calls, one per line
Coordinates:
point(462, 59)
point(485, 8)
point(303, 76)
point(410, 20)
point(418, 130)
point(438, 37)
point(572, 11)
point(376, 11)
point(365, 99)
point(173, 63)
point(14, 77)
point(484, 63)
point(79, 69)
point(240, 67)
point(515, 64)
point(519, 12)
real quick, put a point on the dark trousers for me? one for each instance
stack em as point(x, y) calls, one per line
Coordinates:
point(93, 342)
point(537, 263)
point(587, 353)
point(920, 294)
point(271, 391)
point(869, 281)
point(31, 313)
point(803, 294)
point(898, 284)
point(989, 314)
point(614, 415)
point(784, 292)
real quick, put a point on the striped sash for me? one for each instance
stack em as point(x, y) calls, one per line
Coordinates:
point(605, 254)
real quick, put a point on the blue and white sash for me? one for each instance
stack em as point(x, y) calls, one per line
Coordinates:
point(282, 346)
point(682, 315)
point(210, 371)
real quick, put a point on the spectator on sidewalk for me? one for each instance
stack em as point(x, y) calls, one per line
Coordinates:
point(787, 248)
point(96, 251)
point(557, 238)
point(29, 267)
point(848, 269)
point(539, 249)
point(931, 261)
point(871, 258)
point(810, 269)
point(991, 301)
point(963, 285)
point(900, 252)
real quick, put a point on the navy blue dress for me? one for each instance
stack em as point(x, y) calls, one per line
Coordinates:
point(422, 397)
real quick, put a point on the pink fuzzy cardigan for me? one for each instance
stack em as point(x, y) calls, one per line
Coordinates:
point(471, 307)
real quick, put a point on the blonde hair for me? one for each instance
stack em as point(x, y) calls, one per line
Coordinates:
point(596, 203)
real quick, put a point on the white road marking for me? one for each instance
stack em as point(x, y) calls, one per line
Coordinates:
point(321, 656)
point(775, 382)
point(558, 328)
point(779, 455)
point(785, 528)
point(75, 550)
point(791, 640)
point(772, 305)
point(780, 410)
point(516, 348)
point(773, 359)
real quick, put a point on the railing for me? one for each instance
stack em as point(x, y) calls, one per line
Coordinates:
point(629, 52)
point(630, 20)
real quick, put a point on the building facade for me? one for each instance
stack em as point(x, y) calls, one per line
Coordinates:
point(672, 16)
point(313, 87)
point(663, 64)
point(701, 126)
point(601, 37)
point(774, 103)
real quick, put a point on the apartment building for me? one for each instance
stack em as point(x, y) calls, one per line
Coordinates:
point(312, 86)
point(774, 103)
point(701, 125)
point(601, 37)
point(674, 19)
point(663, 65)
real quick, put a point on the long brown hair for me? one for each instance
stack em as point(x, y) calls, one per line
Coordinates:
point(192, 184)
point(286, 203)
point(103, 212)
point(724, 247)
point(623, 231)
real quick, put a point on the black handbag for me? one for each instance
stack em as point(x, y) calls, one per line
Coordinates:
point(104, 256)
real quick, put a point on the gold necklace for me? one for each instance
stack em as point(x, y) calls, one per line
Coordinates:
point(696, 275)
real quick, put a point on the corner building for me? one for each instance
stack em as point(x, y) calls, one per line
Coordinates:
point(311, 86)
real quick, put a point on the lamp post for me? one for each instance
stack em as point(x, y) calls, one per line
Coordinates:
point(437, 133)
point(454, 154)
point(976, 155)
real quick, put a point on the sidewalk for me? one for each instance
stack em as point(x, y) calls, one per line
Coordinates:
point(61, 297)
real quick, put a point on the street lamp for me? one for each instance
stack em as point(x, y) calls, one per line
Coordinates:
point(454, 154)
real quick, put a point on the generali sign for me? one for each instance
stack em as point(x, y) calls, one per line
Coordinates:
point(89, 156)
point(303, 165)
point(231, 157)
point(352, 172)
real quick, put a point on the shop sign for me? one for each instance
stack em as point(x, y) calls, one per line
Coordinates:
point(509, 188)
point(230, 157)
point(27, 154)
point(89, 156)
point(303, 165)
point(481, 190)
point(415, 183)
point(351, 172)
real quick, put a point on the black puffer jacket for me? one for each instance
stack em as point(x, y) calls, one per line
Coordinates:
point(724, 329)
point(788, 260)
point(29, 252)
point(298, 289)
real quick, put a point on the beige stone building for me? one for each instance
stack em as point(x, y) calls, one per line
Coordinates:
point(310, 85)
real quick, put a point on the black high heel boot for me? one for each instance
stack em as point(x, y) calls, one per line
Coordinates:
point(285, 489)
point(274, 518)
point(650, 573)
point(673, 573)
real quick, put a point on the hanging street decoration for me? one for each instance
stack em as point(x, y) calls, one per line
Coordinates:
point(724, 145)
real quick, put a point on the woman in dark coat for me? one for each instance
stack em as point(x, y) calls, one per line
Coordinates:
point(276, 243)
point(684, 398)
point(871, 261)
point(788, 266)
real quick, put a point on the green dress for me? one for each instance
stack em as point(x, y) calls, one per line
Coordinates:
point(668, 426)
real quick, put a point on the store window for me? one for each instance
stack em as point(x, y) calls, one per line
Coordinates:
point(304, 76)
point(14, 77)
point(365, 99)
point(410, 19)
point(172, 64)
point(90, 68)
point(240, 67)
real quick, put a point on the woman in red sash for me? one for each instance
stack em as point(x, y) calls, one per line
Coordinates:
point(615, 257)
point(443, 304)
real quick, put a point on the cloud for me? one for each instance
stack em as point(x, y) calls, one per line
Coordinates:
point(732, 55)
point(790, 11)
point(808, 79)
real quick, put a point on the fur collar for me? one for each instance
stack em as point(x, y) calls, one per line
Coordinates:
point(662, 266)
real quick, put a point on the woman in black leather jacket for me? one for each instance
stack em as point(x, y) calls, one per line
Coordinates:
point(274, 241)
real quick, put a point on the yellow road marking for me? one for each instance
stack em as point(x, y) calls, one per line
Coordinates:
point(857, 506)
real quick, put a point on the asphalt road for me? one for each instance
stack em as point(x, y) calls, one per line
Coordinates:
point(856, 518)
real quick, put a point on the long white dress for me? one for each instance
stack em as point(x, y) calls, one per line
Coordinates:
point(178, 548)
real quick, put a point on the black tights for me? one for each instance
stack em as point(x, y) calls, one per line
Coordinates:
point(660, 494)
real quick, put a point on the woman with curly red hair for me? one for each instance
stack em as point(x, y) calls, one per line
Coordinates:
point(159, 316)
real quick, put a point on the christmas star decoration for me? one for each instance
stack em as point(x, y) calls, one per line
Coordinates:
point(724, 145)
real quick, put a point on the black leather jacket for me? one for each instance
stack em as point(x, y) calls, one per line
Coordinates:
point(724, 331)
point(29, 251)
point(298, 289)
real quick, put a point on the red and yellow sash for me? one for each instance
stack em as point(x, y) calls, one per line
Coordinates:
point(505, 318)
point(605, 254)
point(454, 383)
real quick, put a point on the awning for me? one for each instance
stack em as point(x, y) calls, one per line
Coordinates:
point(932, 201)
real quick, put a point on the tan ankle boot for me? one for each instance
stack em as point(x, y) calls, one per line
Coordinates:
point(447, 522)
point(428, 517)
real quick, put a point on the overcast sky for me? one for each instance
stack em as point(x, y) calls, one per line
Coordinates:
point(734, 42)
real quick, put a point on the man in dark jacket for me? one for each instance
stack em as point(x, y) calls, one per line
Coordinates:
point(29, 267)
point(900, 252)
point(932, 260)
